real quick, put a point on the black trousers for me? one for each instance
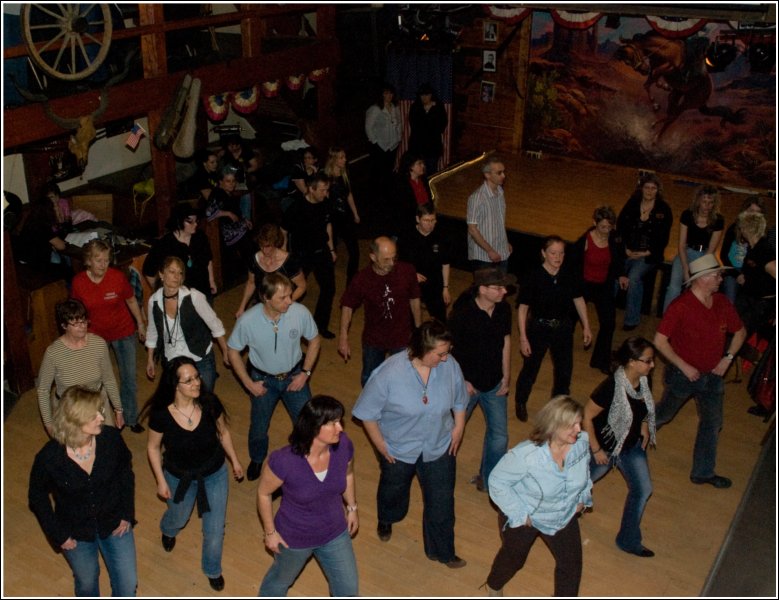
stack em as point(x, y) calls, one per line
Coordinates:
point(565, 546)
point(602, 296)
point(559, 341)
point(321, 263)
point(344, 228)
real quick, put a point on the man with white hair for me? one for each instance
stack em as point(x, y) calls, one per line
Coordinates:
point(488, 244)
point(692, 336)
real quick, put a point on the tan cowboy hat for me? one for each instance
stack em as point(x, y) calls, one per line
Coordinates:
point(704, 265)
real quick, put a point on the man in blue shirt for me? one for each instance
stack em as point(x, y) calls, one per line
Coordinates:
point(277, 368)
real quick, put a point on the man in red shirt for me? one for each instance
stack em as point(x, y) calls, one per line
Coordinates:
point(692, 337)
point(390, 292)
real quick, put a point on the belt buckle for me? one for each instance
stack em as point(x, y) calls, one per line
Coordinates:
point(281, 376)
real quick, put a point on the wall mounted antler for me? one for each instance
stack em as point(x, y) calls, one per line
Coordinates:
point(85, 125)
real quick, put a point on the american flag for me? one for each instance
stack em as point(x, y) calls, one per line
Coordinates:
point(136, 133)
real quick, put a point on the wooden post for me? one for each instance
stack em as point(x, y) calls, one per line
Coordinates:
point(15, 347)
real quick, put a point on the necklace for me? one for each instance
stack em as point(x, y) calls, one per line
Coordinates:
point(424, 385)
point(164, 295)
point(88, 454)
point(171, 331)
point(188, 417)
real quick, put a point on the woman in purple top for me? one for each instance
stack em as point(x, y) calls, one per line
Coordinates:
point(318, 511)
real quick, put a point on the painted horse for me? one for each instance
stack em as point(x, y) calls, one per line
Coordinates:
point(678, 67)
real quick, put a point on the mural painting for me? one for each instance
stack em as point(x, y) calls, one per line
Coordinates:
point(620, 92)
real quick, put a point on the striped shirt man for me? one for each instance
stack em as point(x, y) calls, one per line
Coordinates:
point(486, 218)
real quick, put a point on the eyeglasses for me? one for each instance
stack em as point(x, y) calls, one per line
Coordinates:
point(497, 287)
point(191, 380)
point(79, 322)
point(647, 361)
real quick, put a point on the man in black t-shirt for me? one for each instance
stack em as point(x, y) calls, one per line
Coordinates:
point(308, 226)
point(481, 327)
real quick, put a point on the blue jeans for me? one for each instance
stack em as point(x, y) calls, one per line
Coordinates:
point(336, 559)
point(636, 270)
point(206, 366)
point(634, 467)
point(119, 556)
point(177, 515)
point(709, 392)
point(730, 287)
point(263, 407)
point(124, 350)
point(436, 478)
point(372, 357)
point(677, 276)
point(496, 435)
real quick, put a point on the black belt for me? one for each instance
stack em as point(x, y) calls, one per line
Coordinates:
point(553, 323)
point(698, 248)
point(279, 376)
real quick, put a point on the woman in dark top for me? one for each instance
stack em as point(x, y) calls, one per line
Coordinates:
point(190, 244)
point(428, 121)
point(87, 470)
point(620, 420)
point(545, 323)
point(345, 217)
point(41, 240)
point(206, 178)
point(597, 256)
point(756, 300)
point(734, 248)
point(700, 232)
point(191, 424)
point(305, 168)
point(411, 192)
point(645, 226)
point(318, 511)
point(271, 259)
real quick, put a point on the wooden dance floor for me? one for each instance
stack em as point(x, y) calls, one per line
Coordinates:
point(556, 195)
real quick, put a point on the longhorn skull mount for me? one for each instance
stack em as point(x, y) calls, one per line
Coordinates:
point(84, 126)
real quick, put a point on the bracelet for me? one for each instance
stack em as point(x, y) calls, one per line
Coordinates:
point(118, 410)
point(270, 533)
point(598, 450)
point(332, 249)
point(351, 508)
point(446, 286)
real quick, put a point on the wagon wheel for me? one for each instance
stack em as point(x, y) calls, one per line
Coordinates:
point(58, 35)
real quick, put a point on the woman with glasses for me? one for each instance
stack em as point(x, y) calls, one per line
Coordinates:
point(77, 357)
point(190, 245)
point(87, 470)
point(191, 424)
point(182, 323)
point(620, 420)
point(413, 409)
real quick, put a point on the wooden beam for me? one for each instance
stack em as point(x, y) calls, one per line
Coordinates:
point(28, 123)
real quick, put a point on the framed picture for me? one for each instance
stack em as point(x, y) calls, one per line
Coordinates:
point(490, 31)
point(487, 91)
point(488, 61)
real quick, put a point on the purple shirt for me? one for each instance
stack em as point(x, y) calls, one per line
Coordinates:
point(312, 511)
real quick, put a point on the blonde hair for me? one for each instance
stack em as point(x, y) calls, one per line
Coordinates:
point(752, 224)
point(94, 247)
point(77, 407)
point(695, 206)
point(560, 411)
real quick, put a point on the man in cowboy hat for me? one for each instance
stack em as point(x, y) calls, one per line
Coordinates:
point(481, 328)
point(692, 336)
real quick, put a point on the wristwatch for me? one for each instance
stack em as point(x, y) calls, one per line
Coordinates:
point(307, 372)
point(729, 356)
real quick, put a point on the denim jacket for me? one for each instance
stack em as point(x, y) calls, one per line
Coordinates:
point(528, 483)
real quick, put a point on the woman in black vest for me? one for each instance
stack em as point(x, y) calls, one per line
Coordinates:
point(182, 323)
